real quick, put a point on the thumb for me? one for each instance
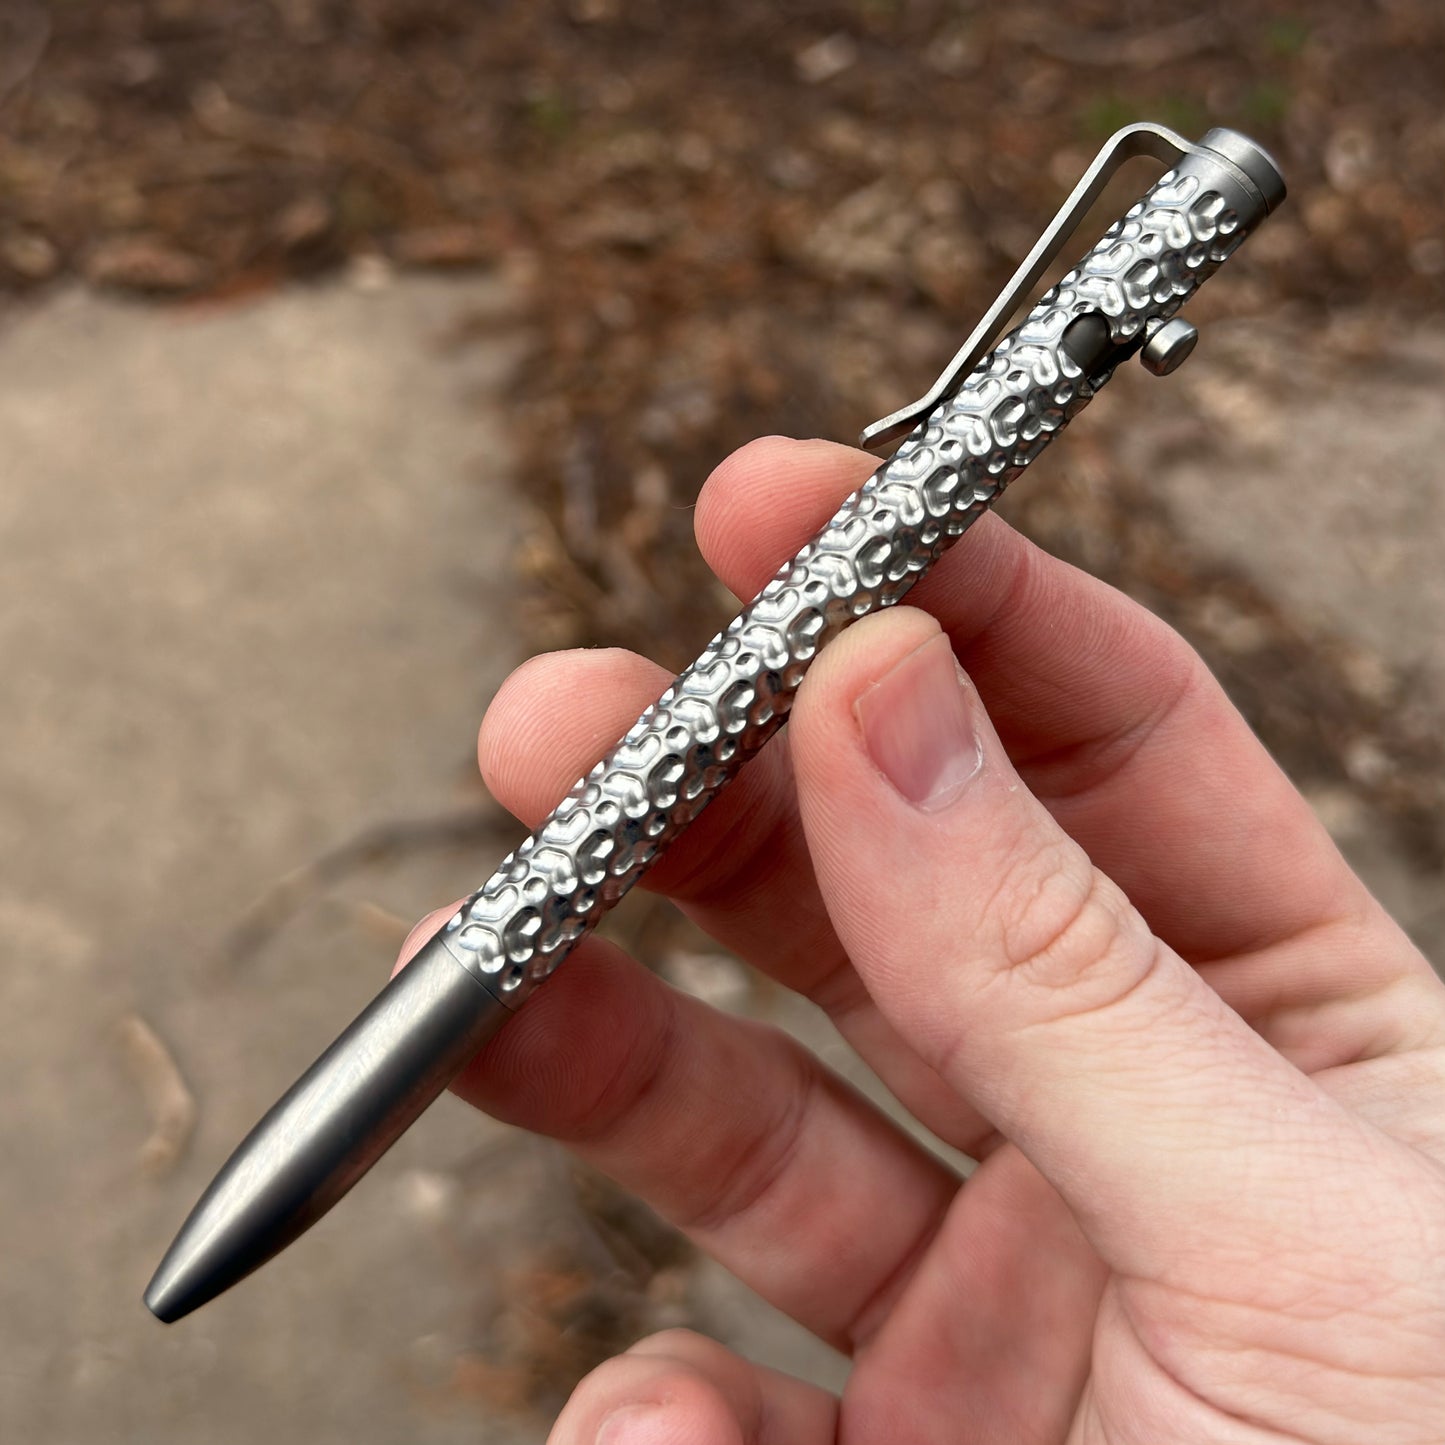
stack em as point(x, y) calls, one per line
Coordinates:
point(1024, 976)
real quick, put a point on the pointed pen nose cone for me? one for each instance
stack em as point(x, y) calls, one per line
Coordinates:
point(162, 1299)
point(342, 1115)
point(295, 1164)
point(186, 1278)
point(167, 1296)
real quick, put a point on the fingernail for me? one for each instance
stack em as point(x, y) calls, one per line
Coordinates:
point(629, 1425)
point(918, 726)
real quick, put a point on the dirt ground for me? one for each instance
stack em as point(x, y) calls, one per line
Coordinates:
point(351, 351)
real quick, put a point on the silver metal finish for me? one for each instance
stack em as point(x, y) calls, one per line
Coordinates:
point(977, 435)
point(1251, 159)
point(1251, 165)
point(1168, 348)
point(1144, 139)
point(343, 1114)
point(516, 929)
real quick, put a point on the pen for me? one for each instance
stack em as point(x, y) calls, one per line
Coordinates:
point(994, 409)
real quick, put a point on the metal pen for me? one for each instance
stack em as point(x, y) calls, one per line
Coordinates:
point(994, 409)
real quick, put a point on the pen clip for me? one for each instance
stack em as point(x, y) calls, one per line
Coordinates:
point(1143, 139)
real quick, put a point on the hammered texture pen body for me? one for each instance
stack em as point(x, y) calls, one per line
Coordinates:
point(515, 930)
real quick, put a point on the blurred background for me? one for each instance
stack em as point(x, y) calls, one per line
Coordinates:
point(351, 350)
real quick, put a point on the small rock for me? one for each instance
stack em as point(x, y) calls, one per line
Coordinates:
point(369, 273)
point(1349, 158)
point(428, 1196)
point(1370, 677)
point(1367, 763)
point(1237, 631)
point(1341, 812)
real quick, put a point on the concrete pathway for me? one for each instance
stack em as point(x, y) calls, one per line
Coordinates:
point(252, 598)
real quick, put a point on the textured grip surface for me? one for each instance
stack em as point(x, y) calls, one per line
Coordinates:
point(516, 929)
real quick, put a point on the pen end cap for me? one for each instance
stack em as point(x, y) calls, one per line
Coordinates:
point(1251, 158)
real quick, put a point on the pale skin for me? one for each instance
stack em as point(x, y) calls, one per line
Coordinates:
point(1019, 846)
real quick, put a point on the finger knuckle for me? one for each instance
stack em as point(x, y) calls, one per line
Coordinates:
point(755, 1164)
point(1069, 933)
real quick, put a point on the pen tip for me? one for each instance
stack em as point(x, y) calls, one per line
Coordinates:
point(167, 1296)
point(328, 1129)
point(221, 1242)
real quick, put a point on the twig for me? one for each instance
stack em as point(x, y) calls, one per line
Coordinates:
point(380, 923)
point(171, 1104)
point(289, 894)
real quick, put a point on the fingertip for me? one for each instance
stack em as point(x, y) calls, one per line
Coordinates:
point(765, 500)
point(524, 692)
point(681, 1388)
point(642, 1400)
point(554, 716)
point(690, 1412)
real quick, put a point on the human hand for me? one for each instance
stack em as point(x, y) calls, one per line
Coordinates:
point(1092, 938)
